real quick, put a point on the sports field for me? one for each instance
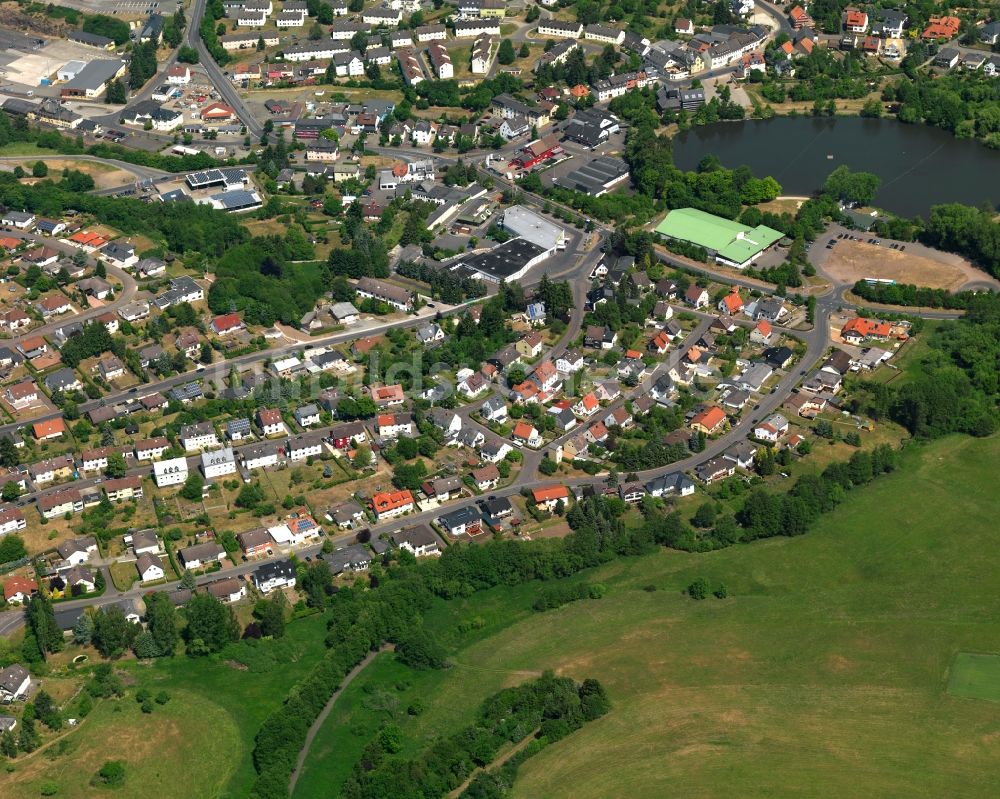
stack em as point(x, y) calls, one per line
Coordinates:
point(975, 676)
point(824, 673)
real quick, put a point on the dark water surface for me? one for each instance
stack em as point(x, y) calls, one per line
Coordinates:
point(919, 166)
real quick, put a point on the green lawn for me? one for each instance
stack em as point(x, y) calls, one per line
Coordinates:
point(246, 695)
point(825, 670)
point(25, 148)
point(198, 745)
point(181, 749)
point(975, 676)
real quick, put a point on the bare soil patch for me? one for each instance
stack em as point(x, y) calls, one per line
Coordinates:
point(850, 261)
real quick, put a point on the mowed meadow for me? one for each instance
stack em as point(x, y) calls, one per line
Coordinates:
point(823, 674)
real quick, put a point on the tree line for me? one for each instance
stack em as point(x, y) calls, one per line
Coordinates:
point(547, 709)
point(914, 296)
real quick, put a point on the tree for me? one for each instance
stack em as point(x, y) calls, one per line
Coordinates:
point(83, 629)
point(362, 457)
point(8, 744)
point(250, 496)
point(524, 52)
point(10, 492)
point(852, 188)
point(506, 54)
point(211, 625)
point(116, 95)
point(705, 515)
point(40, 169)
point(698, 589)
point(161, 622)
point(112, 774)
point(116, 465)
point(419, 650)
point(41, 620)
point(113, 633)
point(29, 739)
point(192, 488)
point(46, 710)
point(272, 619)
point(188, 581)
point(144, 645)
point(187, 55)
point(316, 582)
point(9, 456)
point(12, 548)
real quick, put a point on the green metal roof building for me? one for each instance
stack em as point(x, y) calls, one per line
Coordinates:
point(729, 242)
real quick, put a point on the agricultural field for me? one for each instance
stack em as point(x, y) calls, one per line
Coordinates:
point(828, 663)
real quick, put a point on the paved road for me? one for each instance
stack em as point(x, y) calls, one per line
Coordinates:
point(140, 172)
point(222, 84)
point(776, 14)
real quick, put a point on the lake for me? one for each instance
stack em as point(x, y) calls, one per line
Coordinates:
point(919, 166)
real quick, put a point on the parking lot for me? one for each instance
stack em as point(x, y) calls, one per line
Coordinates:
point(123, 8)
point(29, 68)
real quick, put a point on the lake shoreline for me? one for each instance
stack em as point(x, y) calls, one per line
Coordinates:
point(920, 166)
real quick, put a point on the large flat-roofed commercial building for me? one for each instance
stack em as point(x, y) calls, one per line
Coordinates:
point(728, 242)
point(596, 177)
point(509, 261)
point(535, 228)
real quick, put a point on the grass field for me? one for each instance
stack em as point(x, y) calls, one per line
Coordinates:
point(162, 751)
point(196, 746)
point(975, 676)
point(825, 670)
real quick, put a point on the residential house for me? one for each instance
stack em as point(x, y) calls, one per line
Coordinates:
point(151, 448)
point(486, 478)
point(549, 497)
point(307, 415)
point(696, 296)
point(526, 435)
point(19, 589)
point(270, 422)
point(150, 567)
point(390, 504)
point(14, 682)
point(173, 471)
point(709, 421)
point(462, 521)
point(77, 551)
point(218, 463)
point(200, 436)
point(419, 541)
point(271, 576)
point(715, 469)
point(771, 429)
point(494, 410)
point(200, 555)
point(762, 333)
point(673, 484)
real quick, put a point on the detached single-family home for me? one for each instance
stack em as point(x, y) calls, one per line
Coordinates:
point(150, 567)
point(199, 555)
point(420, 540)
point(550, 496)
point(709, 421)
point(270, 576)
